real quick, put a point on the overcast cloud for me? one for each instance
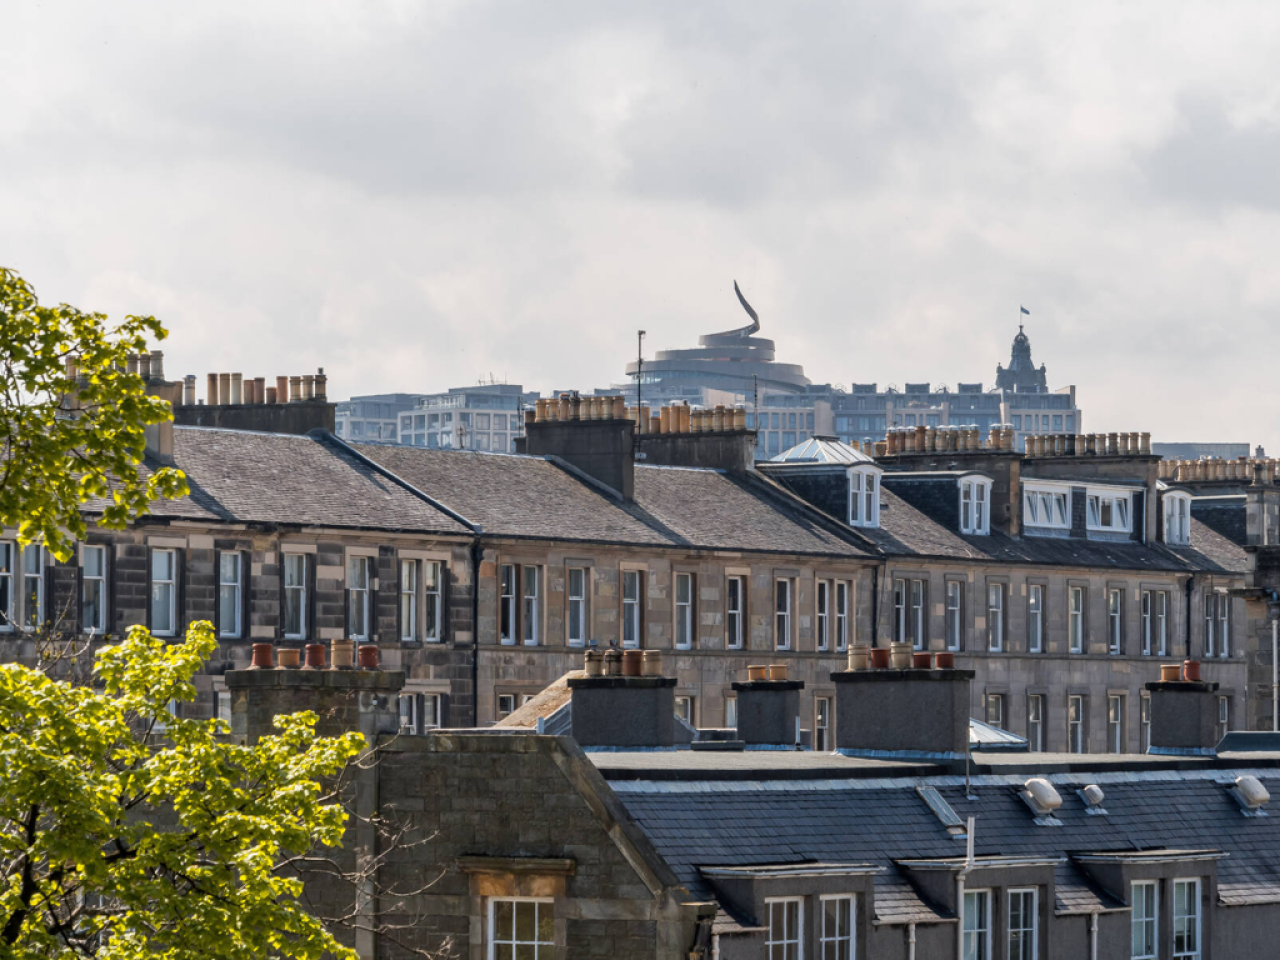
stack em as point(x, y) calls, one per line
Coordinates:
point(415, 195)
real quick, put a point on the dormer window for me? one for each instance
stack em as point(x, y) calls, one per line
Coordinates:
point(1046, 507)
point(975, 505)
point(1109, 512)
point(1177, 519)
point(864, 497)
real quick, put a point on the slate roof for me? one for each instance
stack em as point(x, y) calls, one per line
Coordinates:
point(907, 531)
point(695, 823)
point(524, 496)
point(240, 476)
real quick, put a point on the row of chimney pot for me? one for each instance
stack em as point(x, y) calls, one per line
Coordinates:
point(232, 388)
point(149, 366)
point(345, 654)
point(945, 439)
point(1243, 469)
point(570, 406)
point(1089, 445)
point(949, 439)
point(676, 418)
point(897, 656)
point(622, 663)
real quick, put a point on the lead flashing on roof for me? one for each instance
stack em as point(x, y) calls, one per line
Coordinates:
point(990, 862)
point(785, 871)
point(1151, 856)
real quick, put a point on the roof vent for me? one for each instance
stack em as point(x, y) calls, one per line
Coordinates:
point(1251, 795)
point(1043, 799)
point(1092, 796)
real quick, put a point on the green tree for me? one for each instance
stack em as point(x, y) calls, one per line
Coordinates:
point(121, 844)
point(73, 433)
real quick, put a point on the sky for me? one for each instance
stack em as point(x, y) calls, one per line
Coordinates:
point(420, 195)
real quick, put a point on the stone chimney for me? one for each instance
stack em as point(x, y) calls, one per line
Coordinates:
point(345, 700)
point(768, 712)
point(590, 434)
point(1184, 717)
point(1262, 509)
point(717, 439)
point(614, 711)
point(903, 714)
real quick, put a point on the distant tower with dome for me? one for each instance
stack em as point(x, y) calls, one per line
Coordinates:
point(1021, 376)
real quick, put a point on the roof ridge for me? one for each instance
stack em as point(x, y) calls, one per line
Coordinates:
point(323, 436)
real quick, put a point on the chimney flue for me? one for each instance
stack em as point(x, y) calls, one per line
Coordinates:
point(295, 389)
point(322, 386)
point(211, 390)
point(237, 388)
point(189, 390)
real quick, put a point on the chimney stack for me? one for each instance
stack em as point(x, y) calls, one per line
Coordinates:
point(768, 711)
point(618, 711)
point(344, 700)
point(1184, 717)
point(602, 449)
point(189, 390)
point(913, 714)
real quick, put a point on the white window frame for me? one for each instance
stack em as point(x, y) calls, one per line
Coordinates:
point(975, 505)
point(995, 710)
point(359, 594)
point(976, 939)
point(160, 630)
point(9, 578)
point(542, 950)
point(782, 619)
point(1031, 945)
point(918, 614)
point(782, 942)
point(954, 614)
point(576, 606)
point(840, 943)
point(684, 611)
point(1187, 951)
point(995, 617)
point(684, 708)
point(509, 698)
point(822, 615)
point(632, 608)
point(822, 724)
point(1077, 736)
point(864, 497)
point(735, 610)
point(1046, 507)
point(1177, 518)
point(236, 588)
point(1224, 625)
point(731, 711)
point(1035, 618)
point(408, 601)
point(530, 604)
point(1109, 510)
point(1224, 716)
point(1115, 621)
point(432, 573)
point(298, 589)
point(1140, 920)
point(842, 615)
point(100, 626)
point(508, 587)
point(1035, 722)
point(1075, 619)
point(1115, 723)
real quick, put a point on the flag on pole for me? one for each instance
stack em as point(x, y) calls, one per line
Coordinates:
point(1025, 310)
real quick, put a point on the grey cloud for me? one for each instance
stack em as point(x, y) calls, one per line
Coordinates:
point(1211, 161)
